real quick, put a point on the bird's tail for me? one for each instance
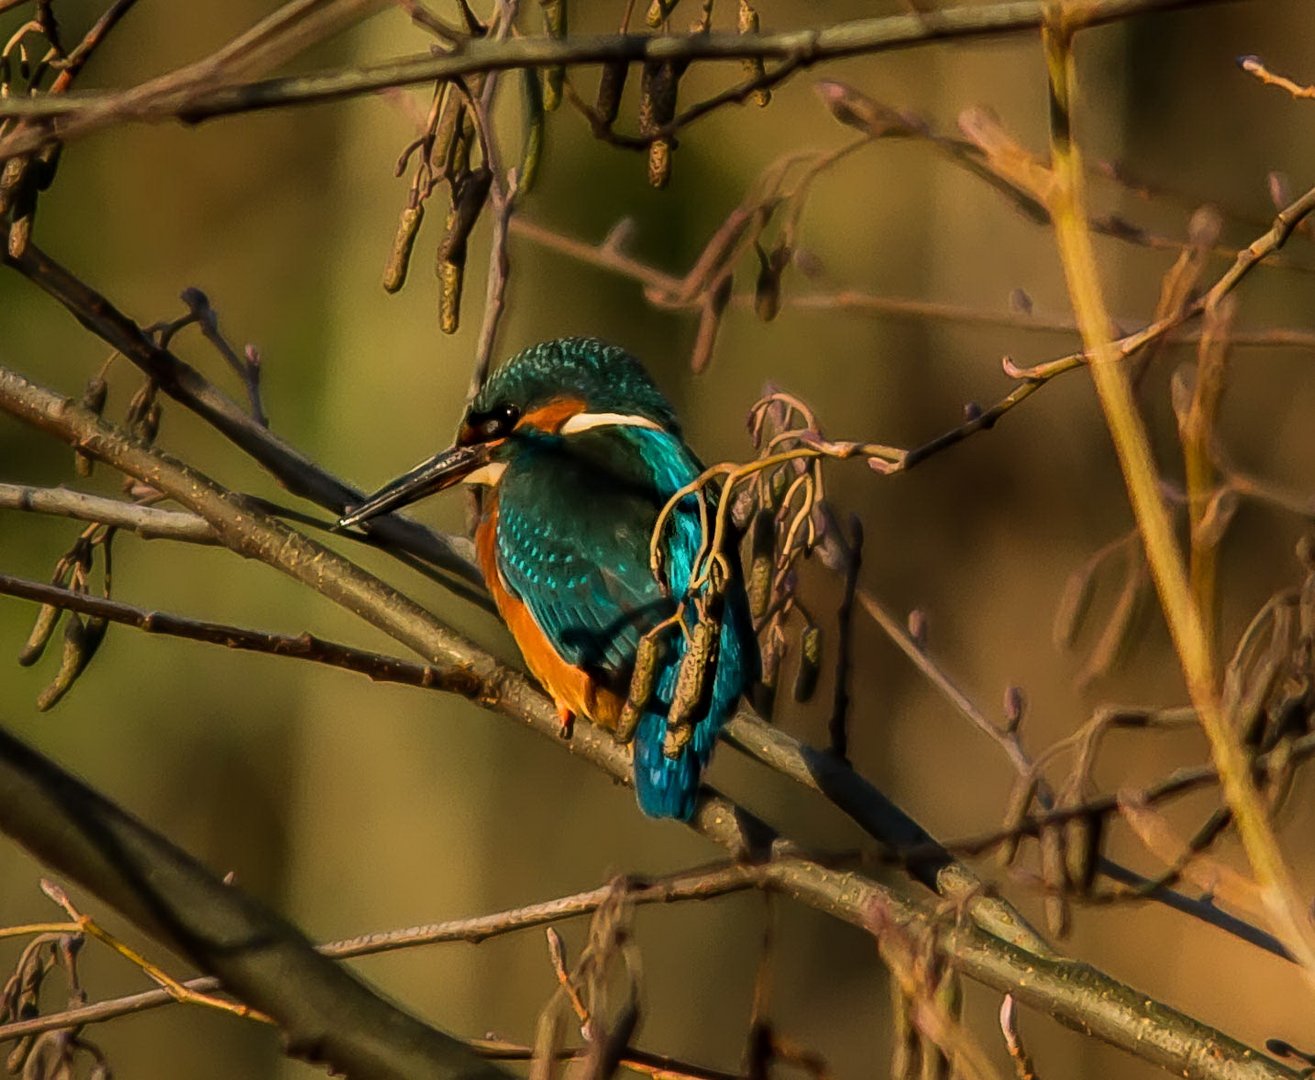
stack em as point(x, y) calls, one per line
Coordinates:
point(669, 787)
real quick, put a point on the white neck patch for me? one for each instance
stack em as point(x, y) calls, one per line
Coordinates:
point(489, 474)
point(587, 421)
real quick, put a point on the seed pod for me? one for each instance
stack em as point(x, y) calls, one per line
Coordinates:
point(94, 394)
point(1074, 603)
point(450, 131)
point(1054, 873)
point(810, 663)
point(611, 85)
point(554, 24)
point(12, 174)
point(774, 648)
point(532, 144)
point(18, 1055)
point(18, 201)
point(753, 65)
point(762, 548)
point(643, 681)
point(468, 199)
point(658, 11)
point(659, 163)
point(1083, 839)
point(1115, 640)
point(450, 276)
point(1020, 798)
point(399, 258)
point(691, 682)
point(20, 232)
point(767, 290)
point(72, 661)
point(746, 499)
point(657, 108)
point(676, 739)
point(37, 640)
point(458, 159)
point(857, 110)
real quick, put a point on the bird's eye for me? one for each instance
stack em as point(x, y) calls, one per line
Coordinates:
point(497, 423)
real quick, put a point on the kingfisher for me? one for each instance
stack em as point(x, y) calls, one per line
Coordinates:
point(579, 454)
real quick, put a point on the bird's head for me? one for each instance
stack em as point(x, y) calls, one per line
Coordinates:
point(554, 389)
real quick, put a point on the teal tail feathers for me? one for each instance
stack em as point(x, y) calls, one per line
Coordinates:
point(669, 787)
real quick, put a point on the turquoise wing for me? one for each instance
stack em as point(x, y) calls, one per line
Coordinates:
point(575, 520)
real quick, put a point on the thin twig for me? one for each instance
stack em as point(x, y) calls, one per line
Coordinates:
point(1253, 65)
point(148, 522)
point(377, 666)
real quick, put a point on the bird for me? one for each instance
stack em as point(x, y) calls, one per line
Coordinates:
point(577, 453)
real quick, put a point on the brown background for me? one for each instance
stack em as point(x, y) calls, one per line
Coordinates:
point(354, 807)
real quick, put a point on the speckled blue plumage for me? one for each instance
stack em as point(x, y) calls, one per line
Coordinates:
point(574, 521)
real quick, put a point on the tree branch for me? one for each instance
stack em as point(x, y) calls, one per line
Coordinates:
point(1074, 993)
point(296, 472)
point(325, 1013)
point(693, 885)
point(148, 522)
point(910, 847)
point(183, 95)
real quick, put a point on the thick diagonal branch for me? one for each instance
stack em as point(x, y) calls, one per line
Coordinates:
point(325, 1013)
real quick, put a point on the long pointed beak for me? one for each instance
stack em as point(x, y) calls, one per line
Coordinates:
point(439, 472)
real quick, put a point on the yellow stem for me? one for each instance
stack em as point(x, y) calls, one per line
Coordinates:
point(1186, 626)
point(1196, 433)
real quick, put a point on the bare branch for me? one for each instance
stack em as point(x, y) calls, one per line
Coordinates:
point(205, 89)
point(326, 1014)
point(1080, 994)
point(148, 522)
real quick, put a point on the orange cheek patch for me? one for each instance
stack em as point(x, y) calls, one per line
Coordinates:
point(552, 416)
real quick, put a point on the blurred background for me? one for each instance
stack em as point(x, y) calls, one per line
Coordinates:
point(353, 807)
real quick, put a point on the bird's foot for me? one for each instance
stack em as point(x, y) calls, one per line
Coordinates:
point(565, 722)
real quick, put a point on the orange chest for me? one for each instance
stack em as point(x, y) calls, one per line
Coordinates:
point(570, 687)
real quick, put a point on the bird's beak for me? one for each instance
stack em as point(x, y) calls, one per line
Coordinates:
point(439, 472)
